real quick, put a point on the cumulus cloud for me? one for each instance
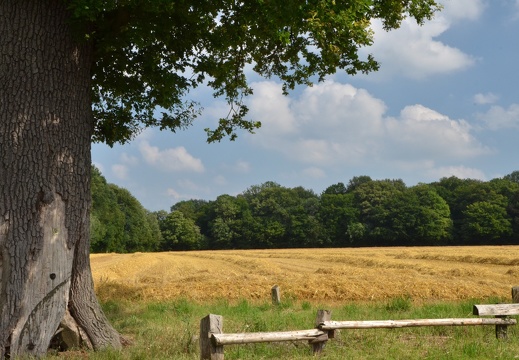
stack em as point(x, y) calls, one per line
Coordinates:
point(414, 51)
point(334, 121)
point(187, 189)
point(460, 172)
point(170, 160)
point(497, 117)
point(120, 171)
point(275, 109)
point(454, 10)
point(172, 193)
point(484, 99)
point(340, 125)
point(129, 159)
point(420, 132)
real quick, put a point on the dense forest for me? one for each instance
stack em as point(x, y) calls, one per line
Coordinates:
point(364, 212)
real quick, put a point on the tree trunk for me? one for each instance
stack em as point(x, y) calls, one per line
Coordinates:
point(45, 133)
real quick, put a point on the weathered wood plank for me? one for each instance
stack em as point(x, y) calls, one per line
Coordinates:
point(319, 343)
point(247, 338)
point(209, 325)
point(389, 324)
point(501, 330)
point(496, 309)
point(515, 294)
point(276, 295)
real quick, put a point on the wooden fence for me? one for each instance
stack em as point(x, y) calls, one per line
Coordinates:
point(213, 339)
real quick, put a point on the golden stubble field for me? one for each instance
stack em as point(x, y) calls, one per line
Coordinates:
point(314, 275)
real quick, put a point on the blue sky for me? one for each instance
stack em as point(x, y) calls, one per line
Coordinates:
point(445, 102)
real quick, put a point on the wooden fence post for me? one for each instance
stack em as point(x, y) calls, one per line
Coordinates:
point(211, 324)
point(515, 294)
point(501, 330)
point(276, 296)
point(319, 342)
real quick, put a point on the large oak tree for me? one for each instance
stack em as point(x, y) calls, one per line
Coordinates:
point(77, 71)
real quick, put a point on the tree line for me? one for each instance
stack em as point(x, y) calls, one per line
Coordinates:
point(364, 212)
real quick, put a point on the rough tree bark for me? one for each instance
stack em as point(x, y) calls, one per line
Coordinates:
point(45, 133)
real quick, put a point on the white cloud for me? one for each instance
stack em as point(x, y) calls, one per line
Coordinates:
point(120, 171)
point(340, 125)
point(129, 159)
point(415, 52)
point(498, 117)
point(335, 122)
point(171, 160)
point(187, 189)
point(460, 172)
point(275, 113)
point(484, 99)
point(420, 132)
point(173, 194)
point(455, 10)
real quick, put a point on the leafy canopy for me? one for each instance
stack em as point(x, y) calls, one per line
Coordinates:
point(150, 53)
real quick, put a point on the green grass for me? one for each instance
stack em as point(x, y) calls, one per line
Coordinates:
point(169, 330)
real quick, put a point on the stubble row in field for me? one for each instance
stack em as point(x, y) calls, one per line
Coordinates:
point(316, 275)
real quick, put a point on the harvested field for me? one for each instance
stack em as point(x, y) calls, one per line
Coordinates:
point(315, 275)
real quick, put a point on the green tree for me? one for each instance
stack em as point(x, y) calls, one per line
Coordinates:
point(356, 181)
point(508, 186)
point(192, 209)
point(336, 189)
point(156, 234)
point(81, 70)
point(106, 218)
point(513, 176)
point(459, 193)
point(281, 217)
point(138, 234)
point(224, 229)
point(179, 232)
point(268, 214)
point(118, 221)
point(304, 228)
point(338, 215)
point(378, 202)
point(392, 214)
point(469, 198)
point(425, 216)
point(486, 222)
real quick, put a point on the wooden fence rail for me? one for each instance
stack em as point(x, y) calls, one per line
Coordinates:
point(391, 324)
point(212, 338)
point(259, 337)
